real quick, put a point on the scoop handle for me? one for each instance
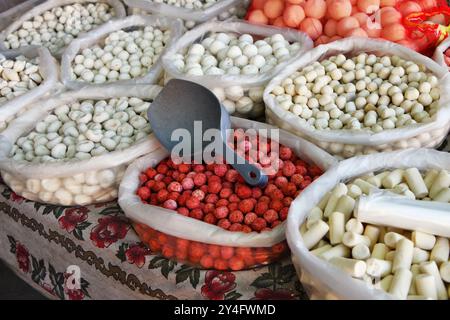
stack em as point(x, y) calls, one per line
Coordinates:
point(251, 174)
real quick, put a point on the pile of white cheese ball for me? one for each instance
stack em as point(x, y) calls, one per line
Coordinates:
point(84, 129)
point(58, 26)
point(124, 55)
point(408, 265)
point(188, 4)
point(17, 76)
point(366, 92)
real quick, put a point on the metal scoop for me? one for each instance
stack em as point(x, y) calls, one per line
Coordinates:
point(178, 106)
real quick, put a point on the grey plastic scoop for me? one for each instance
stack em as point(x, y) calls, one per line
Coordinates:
point(178, 106)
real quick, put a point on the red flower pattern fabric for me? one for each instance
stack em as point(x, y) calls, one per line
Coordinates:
point(23, 257)
point(269, 294)
point(136, 253)
point(217, 284)
point(72, 217)
point(109, 230)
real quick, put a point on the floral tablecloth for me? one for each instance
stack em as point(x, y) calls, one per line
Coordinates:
point(39, 242)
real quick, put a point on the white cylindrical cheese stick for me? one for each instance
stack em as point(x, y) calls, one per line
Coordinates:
point(390, 255)
point(393, 179)
point(400, 283)
point(423, 240)
point(338, 191)
point(415, 182)
point(378, 268)
point(338, 251)
point(351, 239)
point(379, 251)
point(345, 204)
point(323, 202)
point(317, 231)
point(321, 243)
point(337, 227)
point(440, 251)
point(403, 255)
point(442, 181)
point(354, 191)
point(443, 196)
point(360, 252)
point(314, 215)
point(354, 226)
point(426, 286)
point(431, 268)
point(391, 239)
point(420, 255)
point(320, 250)
point(372, 233)
point(355, 268)
point(415, 270)
point(383, 232)
point(385, 283)
point(303, 229)
point(444, 270)
point(364, 185)
point(377, 179)
point(430, 176)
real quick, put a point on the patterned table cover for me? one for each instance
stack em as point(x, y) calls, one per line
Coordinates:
point(38, 242)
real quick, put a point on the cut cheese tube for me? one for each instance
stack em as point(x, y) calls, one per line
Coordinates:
point(400, 283)
point(393, 179)
point(323, 202)
point(444, 270)
point(317, 231)
point(440, 251)
point(443, 195)
point(337, 227)
point(426, 286)
point(431, 268)
point(391, 239)
point(338, 251)
point(420, 255)
point(390, 255)
point(377, 179)
point(415, 270)
point(382, 233)
point(355, 268)
point(442, 181)
point(430, 176)
point(360, 252)
point(345, 204)
point(415, 182)
point(338, 191)
point(314, 215)
point(423, 240)
point(385, 283)
point(379, 251)
point(364, 185)
point(403, 255)
point(378, 268)
point(372, 233)
point(321, 243)
point(351, 239)
point(303, 229)
point(355, 226)
point(354, 191)
point(320, 250)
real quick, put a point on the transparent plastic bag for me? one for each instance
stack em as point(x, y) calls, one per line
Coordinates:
point(118, 7)
point(321, 279)
point(48, 69)
point(187, 239)
point(347, 143)
point(98, 35)
point(222, 85)
point(73, 182)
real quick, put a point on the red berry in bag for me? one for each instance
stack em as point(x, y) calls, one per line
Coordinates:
point(199, 179)
point(143, 193)
point(246, 205)
point(210, 218)
point(258, 224)
point(170, 204)
point(224, 223)
point(221, 212)
point(250, 218)
point(192, 202)
point(236, 216)
point(243, 191)
point(236, 227)
point(207, 262)
point(150, 173)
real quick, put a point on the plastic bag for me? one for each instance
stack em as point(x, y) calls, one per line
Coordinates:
point(220, 84)
point(98, 35)
point(321, 279)
point(48, 68)
point(348, 143)
point(7, 17)
point(48, 5)
point(440, 56)
point(166, 230)
point(73, 182)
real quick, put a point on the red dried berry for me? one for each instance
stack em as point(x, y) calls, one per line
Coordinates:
point(270, 215)
point(231, 175)
point(232, 206)
point(207, 262)
point(142, 178)
point(214, 187)
point(250, 218)
point(225, 193)
point(261, 208)
point(196, 214)
point(280, 182)
point(211, 198)
point(199, 194)
point(288, 169)
point(256, 193)
point(258, 224)
point(162, 168)
point(246, 205)
point(283, 214)
point(192, 202)
point(150, 173)
point(198, 168)
point(187, 183)
point(143, 193)
point(210, 218)
point(226, 252)
point(243, 191)
point(246, 229)
point(220, 170)
point(235, 227)
point(285, 153)
point(236, 216)
point(162, 195)
point(234, 198)
point(199, 179)
point(170, 204)
point(184, 167)
point(224, 223)
point(221, 212)
point(183, 211)
point(276, 205)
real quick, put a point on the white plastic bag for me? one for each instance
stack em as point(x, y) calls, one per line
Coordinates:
point(78, 182)
point(348, 143)
point(177, 226)
point(438, 55)
point(118, 7)
point(7, 17)
point(321, 279)
point(218, 83)
point(48, 68)
point(98, 35)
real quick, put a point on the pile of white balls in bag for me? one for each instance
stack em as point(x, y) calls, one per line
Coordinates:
point(83, 130)
point(17, 76)
point(124, 55)
point(366, 92)
point(57, 27)
point(188, 4)
point(228, 53)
